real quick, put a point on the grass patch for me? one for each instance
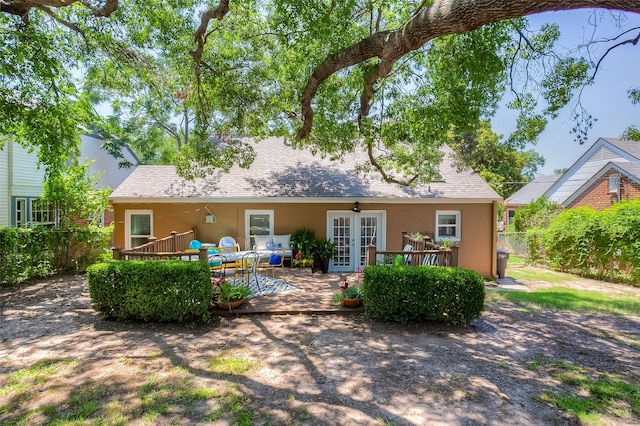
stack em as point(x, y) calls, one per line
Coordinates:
point(535, 274)
point(575, 300)
point(233, 365)
point(590, 396)
point(26, 397)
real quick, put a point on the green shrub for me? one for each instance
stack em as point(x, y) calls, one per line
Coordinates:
point(410, 293)
point(158, 291)
point(40, 252)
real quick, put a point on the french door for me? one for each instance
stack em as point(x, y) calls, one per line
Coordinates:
point(352, 233)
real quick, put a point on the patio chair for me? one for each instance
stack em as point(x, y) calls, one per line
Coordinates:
point(246, 266)
point(276, 260)
point(407, 257)
point(218, 268)
point(228, 241)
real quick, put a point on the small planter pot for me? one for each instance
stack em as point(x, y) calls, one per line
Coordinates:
point(230, 305)
point(352, 303)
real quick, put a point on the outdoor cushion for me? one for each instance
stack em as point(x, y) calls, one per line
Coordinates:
point(275, 259)
point(262, 241)
point(195, 245)
point(285, 240)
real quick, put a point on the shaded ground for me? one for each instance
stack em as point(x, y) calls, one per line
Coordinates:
point(320, 369)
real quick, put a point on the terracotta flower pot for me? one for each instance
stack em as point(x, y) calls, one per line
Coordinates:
point(351, 303)
point(230, 305)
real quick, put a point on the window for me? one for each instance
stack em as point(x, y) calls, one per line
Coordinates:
point(510, 215)
point(138, 227)
point(448, 225)
point(257, 222)
point(21, 212)
point(614, 183)
point(43, 213)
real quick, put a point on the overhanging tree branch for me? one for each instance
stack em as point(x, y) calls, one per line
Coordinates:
point(441, 18)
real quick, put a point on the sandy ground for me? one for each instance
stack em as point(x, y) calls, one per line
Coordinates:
point(323, 369)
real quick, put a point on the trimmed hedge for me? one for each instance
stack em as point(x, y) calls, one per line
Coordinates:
point(152, 290)
point(41, 252)
point(415, 293)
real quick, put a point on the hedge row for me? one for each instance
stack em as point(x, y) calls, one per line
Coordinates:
point(40, 252)
point(596, 243)
point(410, 293)
point(152, 291)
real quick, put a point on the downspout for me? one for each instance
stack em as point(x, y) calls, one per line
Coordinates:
point(494, 245)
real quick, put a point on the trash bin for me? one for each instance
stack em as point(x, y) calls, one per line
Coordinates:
point(503, 256)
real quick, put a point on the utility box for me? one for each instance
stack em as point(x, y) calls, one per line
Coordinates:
point(503, 256)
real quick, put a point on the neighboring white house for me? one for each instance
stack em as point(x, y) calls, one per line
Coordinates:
point(21, 180)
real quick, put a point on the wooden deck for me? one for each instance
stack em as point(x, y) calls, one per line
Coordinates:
point(312, 297)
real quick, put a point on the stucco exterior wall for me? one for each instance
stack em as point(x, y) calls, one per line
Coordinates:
point(477, 223)
point(597, 195)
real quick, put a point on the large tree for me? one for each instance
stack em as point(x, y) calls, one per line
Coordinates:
point(393, 78)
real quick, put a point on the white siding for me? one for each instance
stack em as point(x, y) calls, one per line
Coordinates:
point(104, 164)
point(4, 186)
point(27, 177)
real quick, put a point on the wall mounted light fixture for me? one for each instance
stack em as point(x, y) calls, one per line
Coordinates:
point(356, 207)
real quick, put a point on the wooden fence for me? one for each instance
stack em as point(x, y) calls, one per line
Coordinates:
point(417, 251)
point(173, 246)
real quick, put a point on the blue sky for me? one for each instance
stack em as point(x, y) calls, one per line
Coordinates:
point(606, 100)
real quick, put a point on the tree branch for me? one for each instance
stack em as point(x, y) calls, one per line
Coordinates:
point(22, 7)
point(633, 41)
point(442, 17)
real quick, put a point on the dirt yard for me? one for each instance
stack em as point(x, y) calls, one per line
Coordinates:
point(317, 370)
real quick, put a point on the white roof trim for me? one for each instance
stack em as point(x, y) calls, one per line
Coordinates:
point(610, 165)
point(582, 160)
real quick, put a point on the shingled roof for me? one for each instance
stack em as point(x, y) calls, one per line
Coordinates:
point(281, 173)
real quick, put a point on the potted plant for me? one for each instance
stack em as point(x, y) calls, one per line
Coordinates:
point(303, 243)
point(230, 295)
point(301, 261)
point(350, 296)
point(324, 251)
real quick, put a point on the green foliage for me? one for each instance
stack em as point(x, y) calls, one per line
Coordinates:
point(160, 291)
point(230, 292)
point(351, 292)
point(410, 293)
point(74, 196)
point(596, 243)
point(537, 214)
point(40, 252)
point(500, 164)
point(324, 249)
point(303, 241)
point(254, 68)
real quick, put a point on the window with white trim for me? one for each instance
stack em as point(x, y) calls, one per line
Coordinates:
point(43, 213)
point(448, 225)
point(614, 183)
point(20, 213)
point(138, 227)
point(257, 222)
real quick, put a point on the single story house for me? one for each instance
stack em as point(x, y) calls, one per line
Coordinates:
point(22, 180)
point(607, 173)
point(286, 189)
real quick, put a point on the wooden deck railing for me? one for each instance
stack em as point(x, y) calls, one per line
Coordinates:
point(173, 246)
point(423, 252)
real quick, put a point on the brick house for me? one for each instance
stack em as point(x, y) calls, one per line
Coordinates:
point(607, 173)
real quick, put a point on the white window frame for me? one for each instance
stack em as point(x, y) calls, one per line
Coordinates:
point(48, 215)
point(23, 222)
point(247, 220)
point(127, 226)
point(457, 226)
point(614, 183)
